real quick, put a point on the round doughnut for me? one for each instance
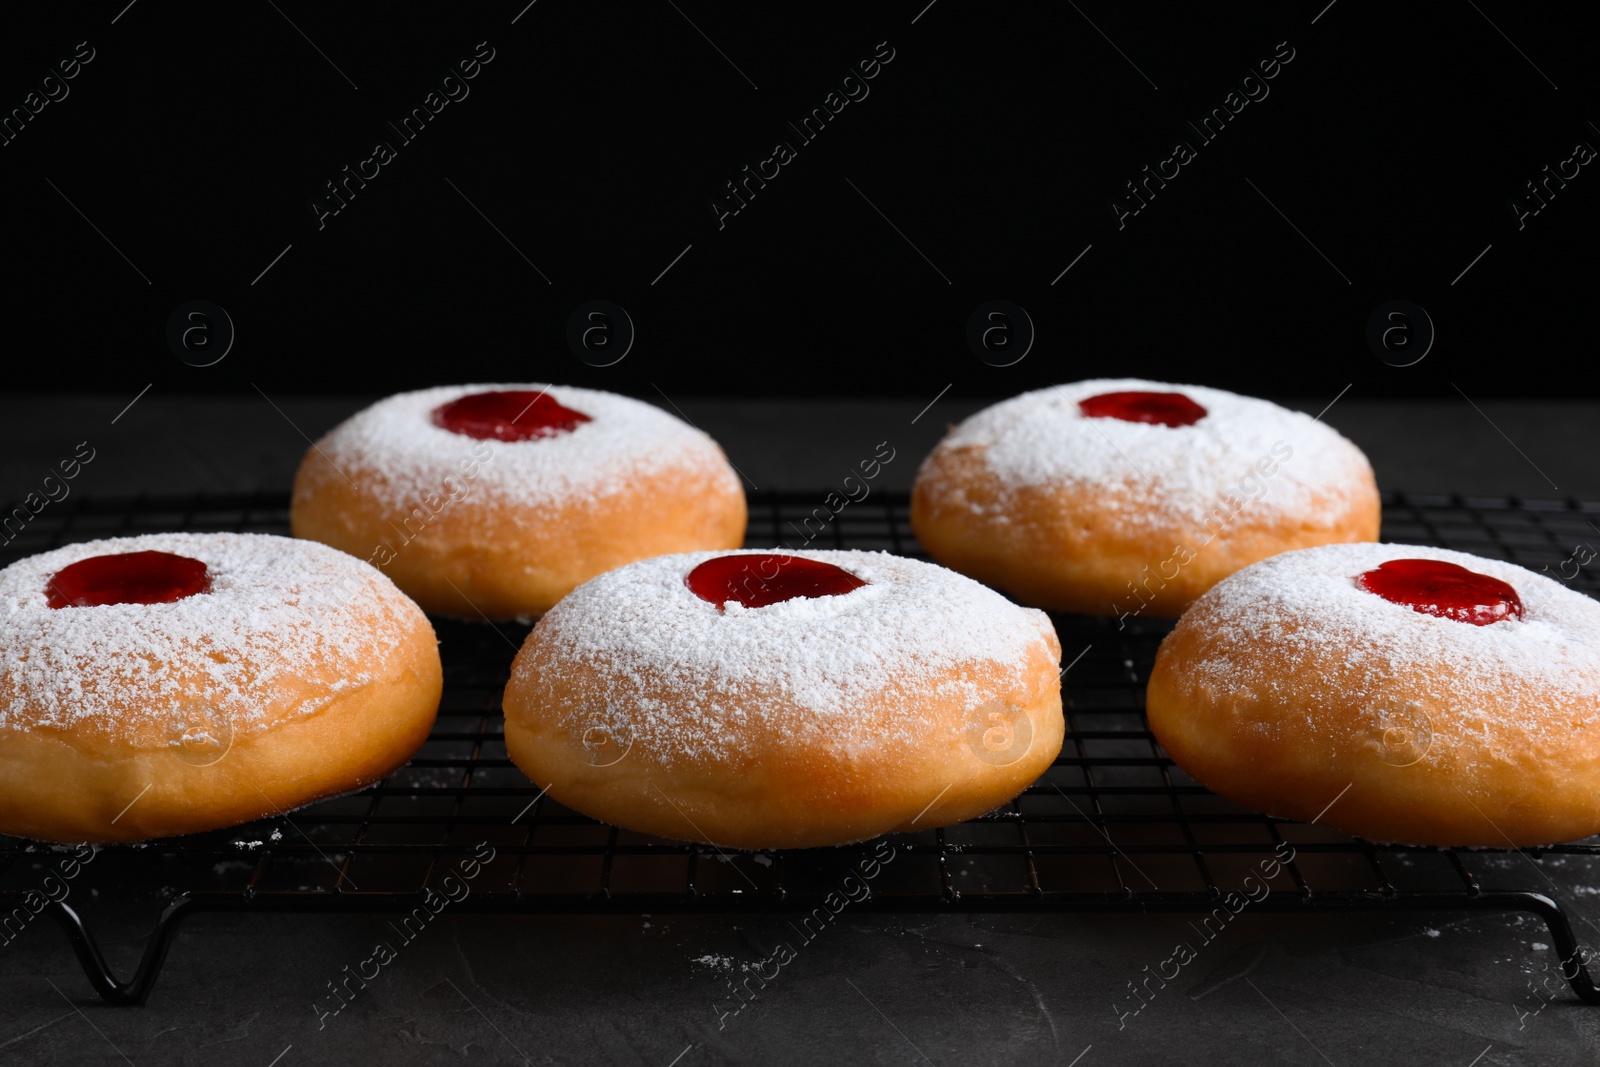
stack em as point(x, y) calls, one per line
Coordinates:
point(494, 501)
point(1404, 694)
point(1127, 497)
point(171, 683)
point(775, 700)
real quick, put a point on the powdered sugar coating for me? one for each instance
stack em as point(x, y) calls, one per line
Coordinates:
point(914, 631)
point(395, 448)
point(277, 609)
point(1306, 608)
point(1159, 476)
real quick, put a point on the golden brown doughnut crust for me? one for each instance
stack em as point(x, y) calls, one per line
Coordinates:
point(65, 787)
point(799, 792)
point(1375, 741)
point(1065, 548)
point(508, 561)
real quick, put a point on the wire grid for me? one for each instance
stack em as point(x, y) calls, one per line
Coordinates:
point(1113, 823)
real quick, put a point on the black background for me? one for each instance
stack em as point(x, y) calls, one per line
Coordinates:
point(994, 141)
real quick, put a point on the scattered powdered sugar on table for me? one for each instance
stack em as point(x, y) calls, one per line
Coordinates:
point(1158, 474)
point(714, 961)
point(1304, 607)
point(395, 448)
point(911, 632)
point(277, 608)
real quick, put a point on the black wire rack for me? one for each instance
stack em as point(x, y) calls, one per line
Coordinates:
point(1112, 826)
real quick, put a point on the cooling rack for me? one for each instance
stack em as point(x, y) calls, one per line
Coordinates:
point(1113, 826)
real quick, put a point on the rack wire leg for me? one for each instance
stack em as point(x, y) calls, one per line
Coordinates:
point(1574, 964)
point(134, 992)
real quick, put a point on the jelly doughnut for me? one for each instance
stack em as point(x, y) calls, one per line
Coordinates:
point(494, 501)
point(1405, 694)
point(1127, 497)
point(170, 683)
point(769, 700)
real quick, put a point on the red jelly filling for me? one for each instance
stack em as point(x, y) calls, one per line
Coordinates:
point(510, 415)
point(1166, 409)
point(127, 578)
point(1435, 587)
point(767, 578)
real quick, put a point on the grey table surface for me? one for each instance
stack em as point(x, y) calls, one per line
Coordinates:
point(1419, 989)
